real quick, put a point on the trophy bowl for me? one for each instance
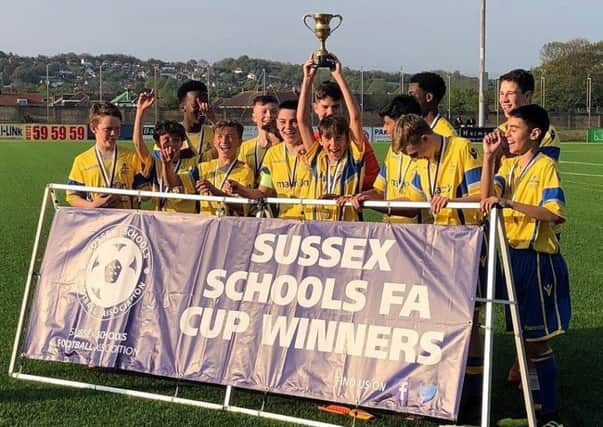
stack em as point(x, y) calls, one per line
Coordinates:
point(322, 30)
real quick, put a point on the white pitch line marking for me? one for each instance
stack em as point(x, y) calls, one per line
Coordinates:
point(580, 163)
point(581, 174)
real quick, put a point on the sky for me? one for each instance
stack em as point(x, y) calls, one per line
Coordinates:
point(376, 35)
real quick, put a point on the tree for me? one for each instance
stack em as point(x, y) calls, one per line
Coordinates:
point(565, 67)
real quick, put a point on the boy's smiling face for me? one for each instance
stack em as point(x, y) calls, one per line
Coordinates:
point(106, 131)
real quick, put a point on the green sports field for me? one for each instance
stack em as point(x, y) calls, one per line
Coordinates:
point(26, 167)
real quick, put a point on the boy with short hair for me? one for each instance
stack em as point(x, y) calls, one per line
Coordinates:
point(170, 159)
point(327, 102)
point(337, 158)
point(527, 186)
point(210, 177)
point(429, 89)
point(285, 171)
point(106, 164)
point(253, 150)
point(516, 90)
point(194, 104)
point(398, 169)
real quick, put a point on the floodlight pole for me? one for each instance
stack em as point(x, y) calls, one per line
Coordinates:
point(542, 90)
point(449, 95)
point(156, 93)
point(497, 103)
point(100, 83)
point(47, 96)
point(482, 67)
point(361, 92)
point(589, 89)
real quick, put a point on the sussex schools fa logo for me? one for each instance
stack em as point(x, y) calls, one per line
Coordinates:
point(119, 264)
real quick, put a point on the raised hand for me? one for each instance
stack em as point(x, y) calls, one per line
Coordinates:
point(309, 67)
point(492, 143)
point(145, 100)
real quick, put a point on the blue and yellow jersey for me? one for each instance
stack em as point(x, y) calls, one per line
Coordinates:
point(252, 153)
point(550, 144)
point(443, 127)
point(202, 142)
point(288, 175)
point(212, 172)
point(394, 180)
point(537, 185)
point(124, 171)
point(455, 173)
point(344, 177)
point(183, 168)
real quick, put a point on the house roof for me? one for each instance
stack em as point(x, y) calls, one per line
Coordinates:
point(10, 99)
point(244, 99)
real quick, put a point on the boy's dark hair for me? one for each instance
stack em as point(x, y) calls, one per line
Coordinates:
point(432, 83)
point(169, 127)
point(190, 86)
point(290, 104)
point(400, 105)
point(535, 117)
point(524, 79)
point(264, 99)
point(101, 109)
point(335, 125)
point(230, 124)
point(327, 89)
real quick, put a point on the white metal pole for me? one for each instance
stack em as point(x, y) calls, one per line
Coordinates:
point(489, 322)
point(514, 309)
point(482, 67)
point(263, 81)
point(32, 263)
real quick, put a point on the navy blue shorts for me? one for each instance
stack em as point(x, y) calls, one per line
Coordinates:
point(542, 287)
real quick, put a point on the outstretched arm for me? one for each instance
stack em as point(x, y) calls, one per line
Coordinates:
point(145, 101)
point(350, 104)
point(305, 100)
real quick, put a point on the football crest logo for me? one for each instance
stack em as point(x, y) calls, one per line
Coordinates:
point(116, 273)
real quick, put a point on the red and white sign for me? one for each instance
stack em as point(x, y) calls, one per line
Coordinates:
point(38, 132)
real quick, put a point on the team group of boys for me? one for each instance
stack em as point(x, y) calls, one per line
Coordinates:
point(426, 161)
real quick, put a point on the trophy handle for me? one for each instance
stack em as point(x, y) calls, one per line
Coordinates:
point(339, 23)
point(306, 23)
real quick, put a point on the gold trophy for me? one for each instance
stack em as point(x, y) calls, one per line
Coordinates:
point(322, 30)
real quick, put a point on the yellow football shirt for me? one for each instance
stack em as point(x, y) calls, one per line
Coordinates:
point(212, 172)
point(443, 127)
point(538, 184)
point(455, 173)
point(202, 142)
point(123, 171)
point(181, 167)
point(394, 180)
point(344, 177)
point(288, 175)
point(253, 155)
